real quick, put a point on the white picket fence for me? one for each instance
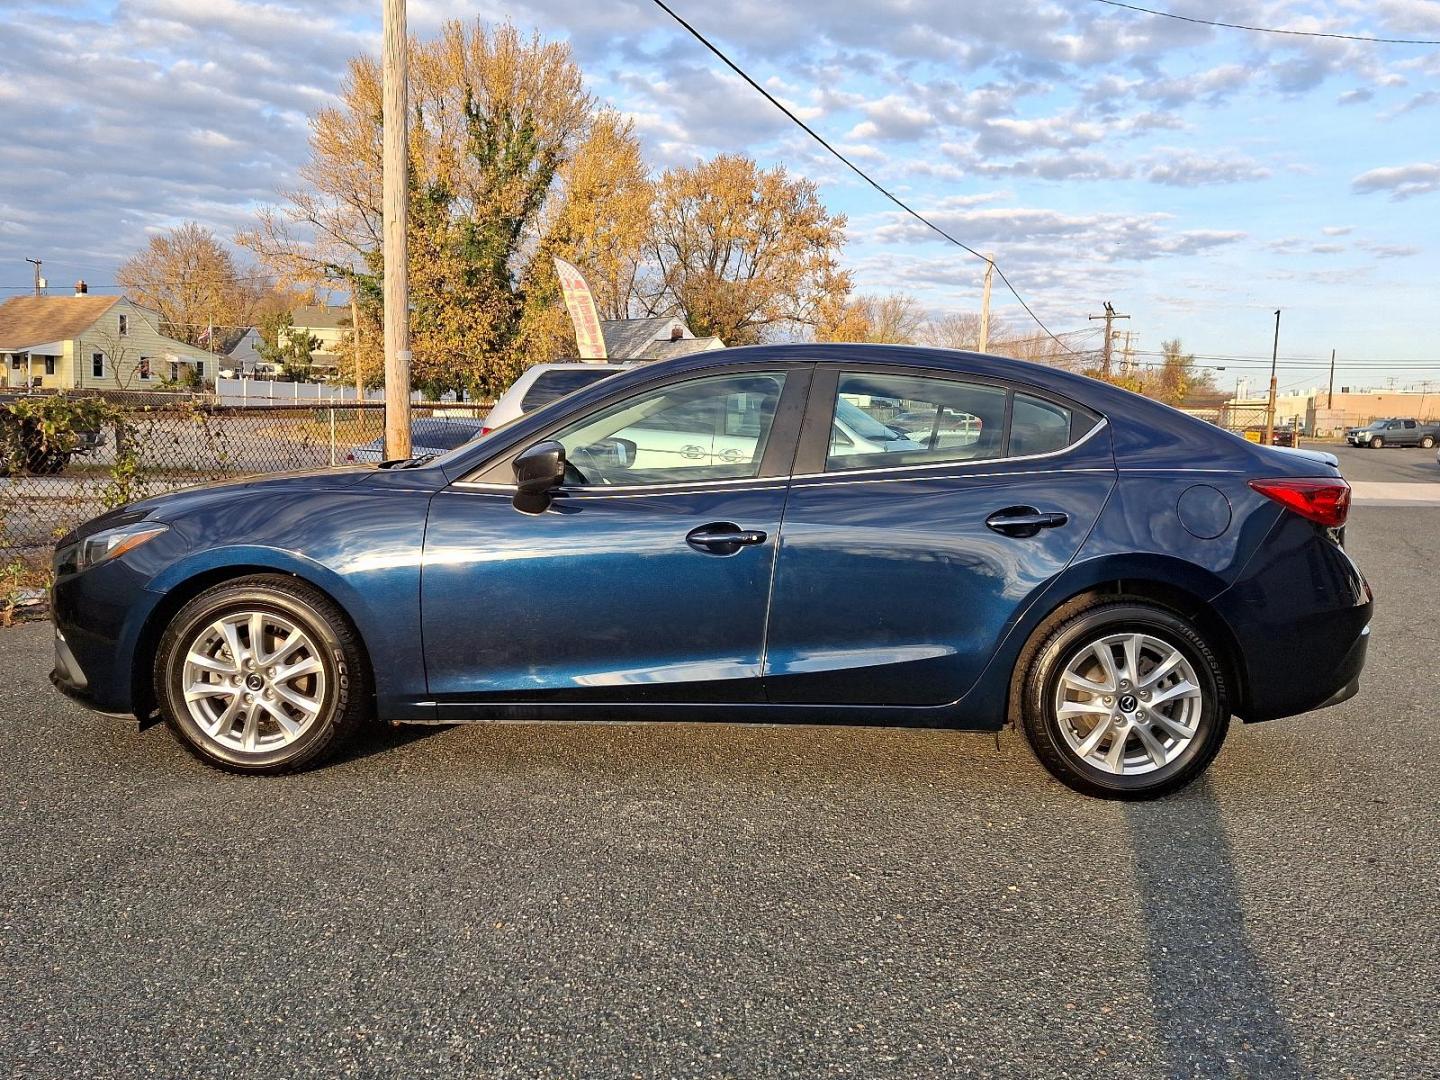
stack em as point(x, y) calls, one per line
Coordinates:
point(271, 392)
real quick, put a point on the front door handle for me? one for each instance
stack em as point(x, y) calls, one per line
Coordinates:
point(722, 538)
point(1024, 521)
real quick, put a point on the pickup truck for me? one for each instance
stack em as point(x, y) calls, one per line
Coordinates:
point(1395, 431)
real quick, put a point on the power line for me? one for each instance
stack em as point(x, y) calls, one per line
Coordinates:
point(1268, 29)
point(853, 167)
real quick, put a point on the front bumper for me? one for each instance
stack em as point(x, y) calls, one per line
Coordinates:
point(69, 678)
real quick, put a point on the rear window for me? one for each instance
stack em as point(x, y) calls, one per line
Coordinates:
point(442, 434)
point(556, 384)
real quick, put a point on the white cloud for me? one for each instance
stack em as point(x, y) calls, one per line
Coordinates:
point(1187, 168)
point(1402, 181)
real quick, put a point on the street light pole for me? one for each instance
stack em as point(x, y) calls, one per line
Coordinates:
point(1270, 408)
point(395, 192)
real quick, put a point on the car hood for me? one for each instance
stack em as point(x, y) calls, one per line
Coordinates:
point(162, 506)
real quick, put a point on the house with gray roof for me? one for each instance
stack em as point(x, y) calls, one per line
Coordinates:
point(652, 339)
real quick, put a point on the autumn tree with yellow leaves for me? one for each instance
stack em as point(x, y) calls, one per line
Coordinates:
point(511, 162)
point(743, 252)
point(191, 280)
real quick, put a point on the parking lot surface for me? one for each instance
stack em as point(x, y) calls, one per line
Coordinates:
point(687, 901)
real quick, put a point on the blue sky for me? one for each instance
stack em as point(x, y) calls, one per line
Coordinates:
point(1197, 178)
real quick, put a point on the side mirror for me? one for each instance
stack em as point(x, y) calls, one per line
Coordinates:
point(615, 452)
point(539, 470)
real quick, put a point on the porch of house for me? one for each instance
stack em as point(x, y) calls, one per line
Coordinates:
point(35, 367)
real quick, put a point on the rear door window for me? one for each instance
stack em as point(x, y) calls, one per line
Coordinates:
point(881, 420)
point(889, 420)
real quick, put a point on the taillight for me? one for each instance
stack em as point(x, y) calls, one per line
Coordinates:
point(486, 430)
point(1325, 500)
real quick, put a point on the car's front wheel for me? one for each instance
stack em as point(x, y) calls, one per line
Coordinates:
point(1427, 442)
point(263, 674)
point(1125, 699)
point(1376, 442)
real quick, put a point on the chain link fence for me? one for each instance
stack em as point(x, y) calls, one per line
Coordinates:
point(149, 444)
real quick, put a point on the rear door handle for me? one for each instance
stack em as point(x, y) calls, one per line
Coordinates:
point(1025, 521)
point(723, 538)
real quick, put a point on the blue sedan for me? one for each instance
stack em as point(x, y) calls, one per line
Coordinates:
point(718, 538)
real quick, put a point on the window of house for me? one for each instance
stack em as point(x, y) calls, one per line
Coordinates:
point(97, 365)
point(124, 323)
point(143, 368)
point(200, 368)
point(174, 371)
point(49, 365)
point(711, 428)
point(15, 361)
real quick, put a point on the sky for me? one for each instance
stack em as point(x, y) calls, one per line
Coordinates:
point(1197, 178)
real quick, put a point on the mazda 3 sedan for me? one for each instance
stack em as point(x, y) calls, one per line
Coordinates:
point(744, 537)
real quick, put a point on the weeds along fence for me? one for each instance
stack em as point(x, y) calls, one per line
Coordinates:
point(54, 477)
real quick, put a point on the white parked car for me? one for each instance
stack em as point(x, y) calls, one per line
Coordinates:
point(542, 384)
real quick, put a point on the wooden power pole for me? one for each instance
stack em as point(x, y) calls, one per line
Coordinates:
point(39, 281)
point(1270, 407)
point(395, 149)
point(984, 342)
point(1330, 394)
point(1109, 316)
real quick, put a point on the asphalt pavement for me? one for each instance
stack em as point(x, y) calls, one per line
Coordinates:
point(722, 901)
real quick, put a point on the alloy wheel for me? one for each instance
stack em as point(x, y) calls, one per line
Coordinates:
point(254, 681)
point(1128, 703)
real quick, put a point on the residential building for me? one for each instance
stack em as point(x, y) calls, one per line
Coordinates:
point(329, 324)
point(652, 339)
point(242, 354)
point(90, 342)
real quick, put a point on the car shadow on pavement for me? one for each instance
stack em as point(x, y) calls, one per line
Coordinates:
point(383, 738)
point(1214, 1008)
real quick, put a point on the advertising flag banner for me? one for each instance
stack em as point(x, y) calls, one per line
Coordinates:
point(589, 342)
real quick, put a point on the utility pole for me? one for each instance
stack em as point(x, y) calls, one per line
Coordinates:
point(1125, 360)
point(355, 342)
point(395, 113)
point(1270, 408)
point(39, 281)
point(1110, 316)
point(1330, 395)
point(984, 342)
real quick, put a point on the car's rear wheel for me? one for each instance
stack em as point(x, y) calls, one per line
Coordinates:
point(261, 675)
point(1125, 699)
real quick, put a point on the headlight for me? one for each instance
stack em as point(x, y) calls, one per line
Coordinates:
point(108, 544)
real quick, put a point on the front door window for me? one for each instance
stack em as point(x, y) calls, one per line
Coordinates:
point(714, 428)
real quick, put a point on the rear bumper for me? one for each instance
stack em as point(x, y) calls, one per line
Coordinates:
point(1301, 617)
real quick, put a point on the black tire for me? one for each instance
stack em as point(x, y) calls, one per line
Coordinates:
point(1376, 442)
point(1427, 442)
point(343, 697)
point(1070, 633)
